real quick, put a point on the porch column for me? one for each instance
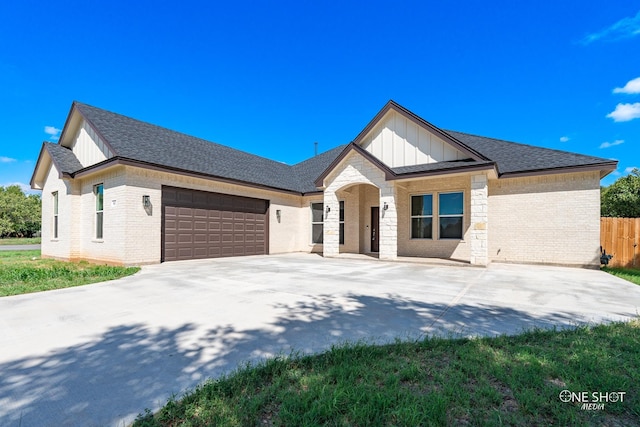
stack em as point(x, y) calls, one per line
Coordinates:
point(331, 228)
point(388, 245)
point(479, 220)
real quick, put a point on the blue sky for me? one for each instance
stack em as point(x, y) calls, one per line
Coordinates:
point(272, 77)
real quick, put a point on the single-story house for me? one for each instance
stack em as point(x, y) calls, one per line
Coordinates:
point(122, 191)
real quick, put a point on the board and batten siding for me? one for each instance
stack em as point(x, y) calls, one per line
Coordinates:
point(398, 141)
point(89, 148)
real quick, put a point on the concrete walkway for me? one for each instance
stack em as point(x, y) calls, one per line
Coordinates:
point(101, 354)
point(19, 247)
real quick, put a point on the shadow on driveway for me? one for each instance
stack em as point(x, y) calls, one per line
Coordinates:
point(110, 379)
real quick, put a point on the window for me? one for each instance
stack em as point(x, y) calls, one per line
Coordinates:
point(342, 223)
point(317, 228)
point(450, 210)
point(422, 216)
point(55, 214)
point(98, 190)
point(317, 223)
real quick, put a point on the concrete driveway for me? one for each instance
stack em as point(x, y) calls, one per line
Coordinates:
point(101, 354)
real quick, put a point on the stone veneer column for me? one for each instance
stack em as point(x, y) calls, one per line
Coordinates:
point(479, 220)
point(331, 237)
point(388, 244)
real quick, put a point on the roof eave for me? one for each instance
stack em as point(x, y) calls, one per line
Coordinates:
point(605, 168)
point(352, 146)
point(123, 161)
point(421, 122)
point(491, 167)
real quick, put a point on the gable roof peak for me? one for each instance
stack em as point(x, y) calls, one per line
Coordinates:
point(391, 104)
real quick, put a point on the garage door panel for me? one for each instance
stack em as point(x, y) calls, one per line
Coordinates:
point(185, 238)
point(199, 224)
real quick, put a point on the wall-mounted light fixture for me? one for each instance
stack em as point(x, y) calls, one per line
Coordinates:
point(278, 214)
point(146, 201)
point(328, 209)
point(385, 206)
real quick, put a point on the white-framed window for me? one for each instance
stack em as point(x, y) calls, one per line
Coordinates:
point(54, 196)
point(422, 216)
point(317, 223)
point(450, 215)
point(98, 190)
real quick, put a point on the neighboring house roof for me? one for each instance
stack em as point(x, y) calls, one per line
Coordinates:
point(136, 142)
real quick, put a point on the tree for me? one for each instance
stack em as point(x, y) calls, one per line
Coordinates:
point(622, 198)
point(19, 213)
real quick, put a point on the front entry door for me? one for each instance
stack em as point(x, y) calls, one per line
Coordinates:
point(375, 222)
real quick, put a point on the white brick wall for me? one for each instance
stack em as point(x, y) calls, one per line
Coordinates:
point(291, 234)
point(60, 247)
point(545, 219)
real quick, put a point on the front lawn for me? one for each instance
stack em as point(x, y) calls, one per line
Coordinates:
point(629, 274)
point(23, 272)
point(517, 381)
point(20, 241)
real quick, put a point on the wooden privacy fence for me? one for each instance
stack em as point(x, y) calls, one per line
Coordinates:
point(620, 237)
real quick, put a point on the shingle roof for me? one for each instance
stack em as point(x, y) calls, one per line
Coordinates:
point(63, 158)
point(514, 157)
point(136, 140)
point(308, 170)
point(441, 166)
point(144, 142)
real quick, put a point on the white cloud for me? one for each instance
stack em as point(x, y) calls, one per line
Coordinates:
point(630, 169)
point(623, 29)
point(53, 132)
point(612, 144)
point(4, 159)
point(632, 86)
point(625, 112)
point(564, 138)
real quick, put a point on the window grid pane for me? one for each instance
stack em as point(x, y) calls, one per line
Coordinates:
point(450, 204)
point(451, 227)
point(317, 231)
point(422, 216)
point(99, 225)
point(317, 212)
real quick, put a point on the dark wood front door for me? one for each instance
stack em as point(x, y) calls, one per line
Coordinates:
point(375, 222)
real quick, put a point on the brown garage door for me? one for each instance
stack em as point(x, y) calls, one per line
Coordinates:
point(199, 224)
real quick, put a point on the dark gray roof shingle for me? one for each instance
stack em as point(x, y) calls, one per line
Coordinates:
point(514, 157)
point(144, 142)
point(441, 166)
point(63, 158)
point(133, 139)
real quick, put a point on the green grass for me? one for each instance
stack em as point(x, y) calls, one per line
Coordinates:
point(20, 241)
point(629, 274)
point(24, 272)
point(484, 382)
